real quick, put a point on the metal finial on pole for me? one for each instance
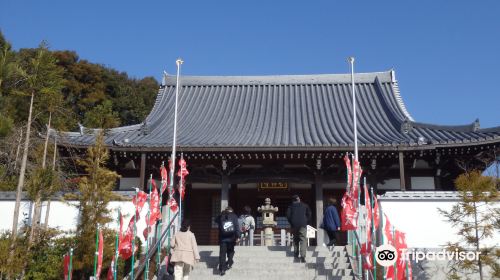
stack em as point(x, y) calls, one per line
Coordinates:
point(351, 62)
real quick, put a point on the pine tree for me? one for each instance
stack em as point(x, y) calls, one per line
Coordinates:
point(95, 192)
point(476, 219)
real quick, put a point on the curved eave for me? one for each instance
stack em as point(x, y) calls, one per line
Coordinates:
point(386, 147)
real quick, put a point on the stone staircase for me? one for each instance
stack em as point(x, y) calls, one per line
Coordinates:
point(275, 262)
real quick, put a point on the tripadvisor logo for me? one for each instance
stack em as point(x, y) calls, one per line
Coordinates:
point(386, 255)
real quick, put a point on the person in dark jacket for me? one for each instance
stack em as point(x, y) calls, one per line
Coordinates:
point(331, 221)
point(299, 215)
point(229, 233)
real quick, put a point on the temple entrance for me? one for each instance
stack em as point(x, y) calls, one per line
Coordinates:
point(203, 205)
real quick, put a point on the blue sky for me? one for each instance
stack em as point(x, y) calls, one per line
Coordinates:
point(446, 53)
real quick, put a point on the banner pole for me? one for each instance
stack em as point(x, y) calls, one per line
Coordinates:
point(133, 237)
point(374, 236)
point(70, 270)
point(96, 251)
point(146, 273)
point(382, 242)
point(158, 229)
point(117, 241)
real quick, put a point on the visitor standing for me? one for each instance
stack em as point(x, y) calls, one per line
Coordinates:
point(229, 233)
point(184, 251)
point(247, 225)
point(299, 215)
point(331, 221)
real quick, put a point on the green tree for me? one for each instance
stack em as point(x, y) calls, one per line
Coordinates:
point(42, 76)
point(95, 192)
point(10, 72)
point(102, 116)
point(476, 218)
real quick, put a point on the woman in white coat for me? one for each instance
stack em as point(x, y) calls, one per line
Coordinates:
point(184, 251)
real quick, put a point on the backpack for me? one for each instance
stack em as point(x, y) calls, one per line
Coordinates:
point(243, 226)
point(227, 227)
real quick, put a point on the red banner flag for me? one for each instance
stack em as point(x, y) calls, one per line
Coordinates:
point(164, 178)
point(125, 247)
point(366, 247)
point(172, 203)
point(356, 176)
point(376, 213)
point(401, 247)
point(154, 207)
point(111, 269)
point(182, 173)
point(388, 231)
point(349, 171)
point(139, 200)
point(100, 254)
point(66, 266)
point(349, 213)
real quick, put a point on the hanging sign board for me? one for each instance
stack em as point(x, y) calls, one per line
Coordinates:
point(272, 186)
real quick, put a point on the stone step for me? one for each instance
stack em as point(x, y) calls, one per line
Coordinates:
point(271, 248)
point(276, 262)
point(274, 256)
point(339, 262)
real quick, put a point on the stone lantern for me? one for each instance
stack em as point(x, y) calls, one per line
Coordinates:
point(267, 211)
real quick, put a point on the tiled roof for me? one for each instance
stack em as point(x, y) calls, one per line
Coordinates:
point(283, 112)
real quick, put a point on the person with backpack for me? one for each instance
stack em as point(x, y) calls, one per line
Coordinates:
point(229, 233)
point(247, 225)
point(299, 215)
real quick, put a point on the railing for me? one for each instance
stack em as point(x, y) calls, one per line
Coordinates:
point(153, 250)
point(279, 239)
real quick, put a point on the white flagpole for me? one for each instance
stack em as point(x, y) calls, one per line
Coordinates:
point(351, 62)
point(180, 195)
point(174, 142)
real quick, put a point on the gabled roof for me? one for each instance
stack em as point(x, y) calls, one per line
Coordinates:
point(282, 113)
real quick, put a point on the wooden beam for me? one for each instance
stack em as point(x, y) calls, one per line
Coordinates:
point(402, 172)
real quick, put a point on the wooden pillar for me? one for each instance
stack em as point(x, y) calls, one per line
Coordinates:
point(318, 187)
point(224, 194)
point(402, 179)
point(142, 174)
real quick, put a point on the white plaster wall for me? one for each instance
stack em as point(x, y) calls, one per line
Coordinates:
point(64, 215)
point(424, 226)
point(7, 213)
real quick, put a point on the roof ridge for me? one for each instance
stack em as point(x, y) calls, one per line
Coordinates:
point(473, 127)
point(399, 99)
point(280, 79)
